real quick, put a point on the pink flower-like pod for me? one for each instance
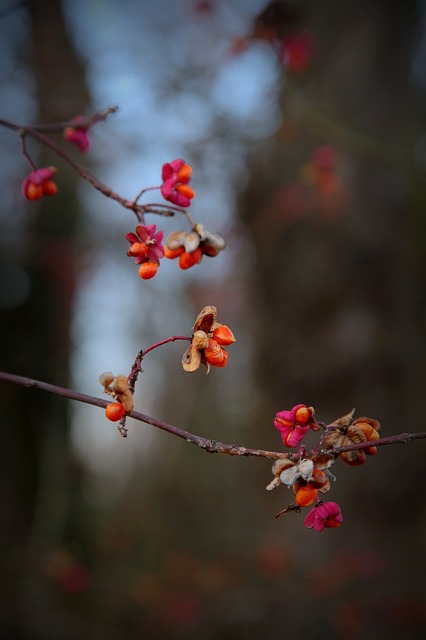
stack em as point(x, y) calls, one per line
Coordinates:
point(175, 188)
point(295, 424)
point(78, 135)
point(324, 515)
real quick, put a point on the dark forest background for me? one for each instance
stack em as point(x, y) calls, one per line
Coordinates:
point(323, 284)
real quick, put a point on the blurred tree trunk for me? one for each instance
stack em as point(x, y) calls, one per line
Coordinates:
point(339, 277)
point(334, 274)
point(37, 465)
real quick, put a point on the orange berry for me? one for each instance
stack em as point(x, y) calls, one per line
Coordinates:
point(50, 188)
point(184, 173)
point(115, 411)
point(185, 190)
point(306, 495)
point(138, 249)
point(148, 270)
point(187, 260)
point(303, 415)
point(319, 479)
point(223, 335)
point(173, 253)
point(214, 354)
point(33, 191)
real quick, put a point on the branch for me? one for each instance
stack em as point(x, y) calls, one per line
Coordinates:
point(401, 438)
point(36, 132)
point(211, 446)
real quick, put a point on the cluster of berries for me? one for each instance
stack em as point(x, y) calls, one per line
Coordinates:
point(308, 474)
point(188, 246)
point(207, 343)
point(39, 182)
point(209, 338)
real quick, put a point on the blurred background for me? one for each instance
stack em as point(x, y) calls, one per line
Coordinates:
point(305, 124)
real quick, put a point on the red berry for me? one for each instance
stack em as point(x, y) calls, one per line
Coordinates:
point(33, 191)
point(148, 270)
point(115, 411)
point(187, 260)
point(49, 188)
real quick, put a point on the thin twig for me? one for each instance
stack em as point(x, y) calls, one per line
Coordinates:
point(36, 132)
point(211, 446)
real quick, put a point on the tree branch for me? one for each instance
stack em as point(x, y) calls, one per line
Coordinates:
point(211, 446)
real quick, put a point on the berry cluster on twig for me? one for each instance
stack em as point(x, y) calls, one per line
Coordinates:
point(306, 473)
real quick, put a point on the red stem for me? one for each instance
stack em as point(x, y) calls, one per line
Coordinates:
point(165, 341)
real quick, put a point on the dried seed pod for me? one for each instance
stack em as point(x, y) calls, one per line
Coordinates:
point(302, 469)
point(176, 239)
point(319, 479)
point(191, 241)
point(191, 359)
point(280, 465)
point(323, 461)
point(200, 339)
point(212, 239)
point(205, 319)
point(344, 421)
point(105, 380)
point(334, 439)
point(353, 436)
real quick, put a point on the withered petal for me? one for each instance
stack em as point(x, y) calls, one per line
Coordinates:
point(205, 319)
point(344, 421)
point(176, 239)
point(191, 359)
point(191, 241)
